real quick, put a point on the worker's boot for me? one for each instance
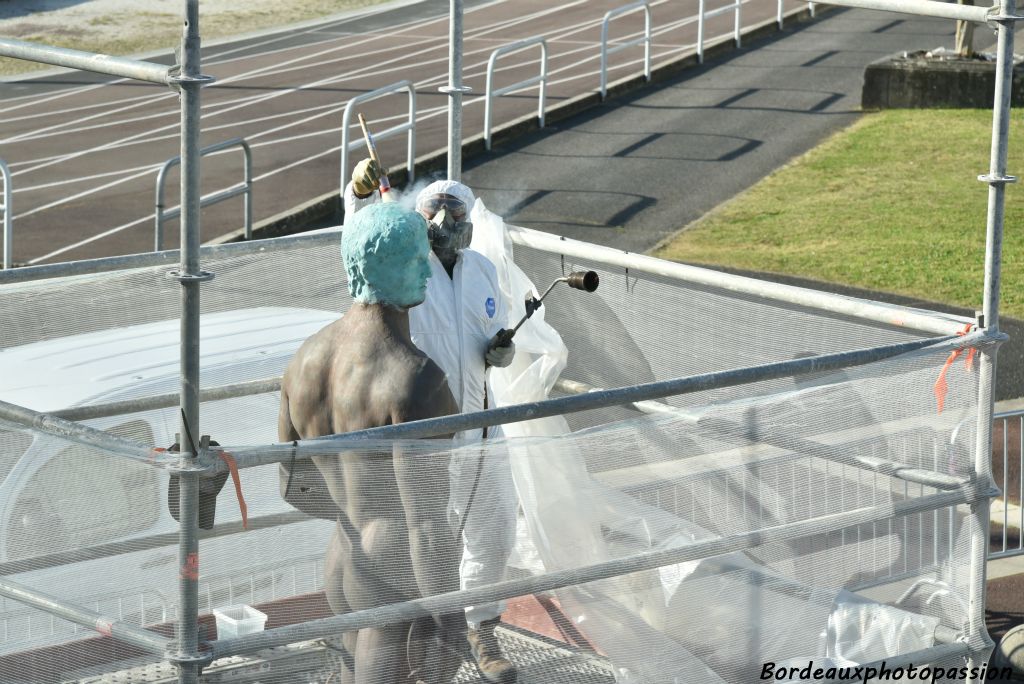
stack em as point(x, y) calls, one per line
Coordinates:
point(493, 664)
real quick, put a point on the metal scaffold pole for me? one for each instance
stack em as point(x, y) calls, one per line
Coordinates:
point(189, 275)
point(997, 179)
point(455, 90)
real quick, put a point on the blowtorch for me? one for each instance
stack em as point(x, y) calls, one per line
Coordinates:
point(578, 280)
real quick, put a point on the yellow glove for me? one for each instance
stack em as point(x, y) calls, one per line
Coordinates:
point(366, 178)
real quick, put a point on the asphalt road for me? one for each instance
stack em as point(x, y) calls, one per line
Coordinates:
point(634, 171)
point(85, 151)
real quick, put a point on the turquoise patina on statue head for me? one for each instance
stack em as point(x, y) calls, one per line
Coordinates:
point(385, 250)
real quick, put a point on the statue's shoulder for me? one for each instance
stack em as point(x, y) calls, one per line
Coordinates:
point(427, 394)
point(316, 353)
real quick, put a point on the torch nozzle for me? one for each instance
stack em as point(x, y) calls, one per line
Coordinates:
point(583, 280)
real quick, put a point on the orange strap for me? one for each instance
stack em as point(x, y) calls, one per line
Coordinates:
point(190, 570)
point(233, 469)
point(941, 387)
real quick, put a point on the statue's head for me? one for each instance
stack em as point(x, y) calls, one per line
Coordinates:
point(385, 250)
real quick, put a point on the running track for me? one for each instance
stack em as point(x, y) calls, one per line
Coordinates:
point(84, 150)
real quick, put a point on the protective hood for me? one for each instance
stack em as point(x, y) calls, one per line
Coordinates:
point(448, 187)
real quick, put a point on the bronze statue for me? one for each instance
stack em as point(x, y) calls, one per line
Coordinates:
point(392, 541)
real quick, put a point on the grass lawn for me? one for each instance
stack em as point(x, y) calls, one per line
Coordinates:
point(891, 204)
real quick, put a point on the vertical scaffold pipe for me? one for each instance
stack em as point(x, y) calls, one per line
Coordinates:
point(997, 179)
point(455, 90)
point(190, 277)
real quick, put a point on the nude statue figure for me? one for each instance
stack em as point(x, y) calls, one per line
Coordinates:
point(392, 541)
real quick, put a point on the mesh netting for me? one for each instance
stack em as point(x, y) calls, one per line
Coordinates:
point(819, 518)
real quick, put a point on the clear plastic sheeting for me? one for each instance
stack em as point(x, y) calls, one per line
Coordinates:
point(694, 538)
point(738, 472)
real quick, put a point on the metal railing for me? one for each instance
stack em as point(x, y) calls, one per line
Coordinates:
point(703, 15)
point(542, 79)
point(408, 127)
point(8, 216)
point(1007, 510)
point(244, 188)
point(780, 15)
point(646, 40)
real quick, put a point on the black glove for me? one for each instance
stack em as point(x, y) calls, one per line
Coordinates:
point(501, 349)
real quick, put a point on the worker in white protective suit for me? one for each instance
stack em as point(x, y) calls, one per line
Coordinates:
point(457, 327)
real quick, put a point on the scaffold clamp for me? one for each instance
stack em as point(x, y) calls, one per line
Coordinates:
point(995, 179)
point(200, 277)
point(176, 80)
point(177, 657)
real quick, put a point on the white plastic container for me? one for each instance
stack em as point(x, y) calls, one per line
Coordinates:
point(235, 621)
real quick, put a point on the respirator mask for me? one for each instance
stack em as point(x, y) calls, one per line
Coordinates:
point(448, 230)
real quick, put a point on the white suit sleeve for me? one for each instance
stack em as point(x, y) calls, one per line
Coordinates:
point(501, 316)
point(354, 204)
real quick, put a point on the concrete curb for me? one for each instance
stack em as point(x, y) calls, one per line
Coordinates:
point(327, 208)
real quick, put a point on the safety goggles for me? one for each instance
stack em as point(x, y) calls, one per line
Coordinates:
point(455, 207)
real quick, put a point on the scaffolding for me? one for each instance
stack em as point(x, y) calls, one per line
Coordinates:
point(930, 473)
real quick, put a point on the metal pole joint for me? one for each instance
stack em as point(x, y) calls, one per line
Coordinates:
point(191, 467)
point(179, 81)
point(994, 18)
point(997, 179)
point(200, 277)
point(177, 657)
point(455, 89)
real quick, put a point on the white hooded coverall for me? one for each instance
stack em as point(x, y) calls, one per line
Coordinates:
point(453, 326)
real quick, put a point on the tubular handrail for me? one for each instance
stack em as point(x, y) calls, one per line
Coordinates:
point(8, 216)
point(646, 40)
point(245, 188)
point(490, 93)
point(1012, 514)
point(703, 15)
point(408, 127)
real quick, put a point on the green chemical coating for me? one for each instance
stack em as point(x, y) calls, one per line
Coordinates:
point(385, 250)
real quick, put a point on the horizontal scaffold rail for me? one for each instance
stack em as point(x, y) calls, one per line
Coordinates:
point(89, 61)
point(650, 560)
point(735, 431)
point(807, 447)
point(153, 541)
point(122, 631)
point(22, 417)
point(248, 457)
